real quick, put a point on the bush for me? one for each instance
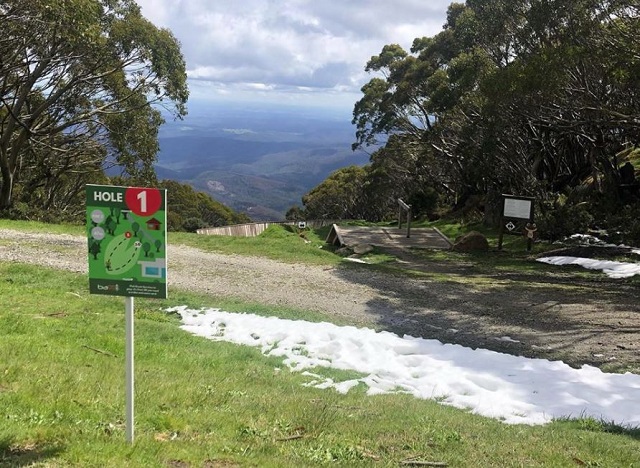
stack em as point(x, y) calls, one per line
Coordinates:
point(424, 203)
point(193, 224)
point(623, 225)
point(24, 211)
point(564, 220)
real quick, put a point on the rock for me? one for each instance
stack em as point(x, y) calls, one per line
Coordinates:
point(362, 249)
point(471, 242)
point(344, 251)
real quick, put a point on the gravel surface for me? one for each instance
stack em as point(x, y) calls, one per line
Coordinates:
point(580, 321)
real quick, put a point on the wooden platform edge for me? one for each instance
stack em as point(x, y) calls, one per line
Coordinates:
point(334, 234)
point(445, 238)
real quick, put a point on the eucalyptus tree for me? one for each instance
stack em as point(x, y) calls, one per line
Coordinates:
point(81, 82)
point(519, 96)
point(342, 195)
point(53, 177)
point(568, 100)
point(426, 100)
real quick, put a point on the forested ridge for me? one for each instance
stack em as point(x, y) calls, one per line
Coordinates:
point(537, 98)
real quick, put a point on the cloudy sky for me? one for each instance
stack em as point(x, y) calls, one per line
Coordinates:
point(310, 52)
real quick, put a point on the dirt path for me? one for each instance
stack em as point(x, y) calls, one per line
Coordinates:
point(552, 316)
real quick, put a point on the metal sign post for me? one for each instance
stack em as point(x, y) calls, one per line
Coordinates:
point(127, 243)
point(129, 374)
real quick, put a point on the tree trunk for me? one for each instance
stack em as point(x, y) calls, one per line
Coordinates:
point(493, 206)
point(6, 189)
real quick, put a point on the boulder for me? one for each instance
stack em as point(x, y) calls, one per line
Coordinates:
point(344, 251)
point(362, 249)
point(473, 241)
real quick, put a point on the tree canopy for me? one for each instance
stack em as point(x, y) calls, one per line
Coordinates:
point(538, 98)
point(82, 83)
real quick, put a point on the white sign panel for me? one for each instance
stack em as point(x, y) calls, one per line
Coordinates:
point(515, 208)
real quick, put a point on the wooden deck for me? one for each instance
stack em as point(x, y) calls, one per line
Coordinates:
point(424, 238)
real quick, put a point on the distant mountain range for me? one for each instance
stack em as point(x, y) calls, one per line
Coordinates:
point(256, 159)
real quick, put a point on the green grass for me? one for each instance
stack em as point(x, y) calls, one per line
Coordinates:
point(378, 257)
point(200, 403)
point(281, 243)
point(35, 226)
point(510, 243)
point(513, 258)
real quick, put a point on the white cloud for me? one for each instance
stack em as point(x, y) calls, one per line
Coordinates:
point(289, 46)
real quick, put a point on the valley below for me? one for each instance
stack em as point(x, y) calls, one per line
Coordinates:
point(258, 161)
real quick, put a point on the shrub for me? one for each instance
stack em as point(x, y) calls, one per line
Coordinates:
point(564, 220)
point(193, 224)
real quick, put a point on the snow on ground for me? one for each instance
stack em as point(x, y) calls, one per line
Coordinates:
point(610, 268)
point(513, 389)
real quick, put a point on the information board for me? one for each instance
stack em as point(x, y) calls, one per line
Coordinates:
point(517, 218)
point(518, 208)
point(127, 241)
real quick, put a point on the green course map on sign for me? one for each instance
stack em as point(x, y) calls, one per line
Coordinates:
point(127, 236)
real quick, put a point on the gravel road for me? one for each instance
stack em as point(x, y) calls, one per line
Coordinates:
point(556, 317)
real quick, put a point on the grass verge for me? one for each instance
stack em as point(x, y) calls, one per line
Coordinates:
point(283, 243)
point(200, 403)
point(35, 226)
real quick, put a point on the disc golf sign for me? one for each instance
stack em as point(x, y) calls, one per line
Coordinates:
point(517, 218)
point(127, 241)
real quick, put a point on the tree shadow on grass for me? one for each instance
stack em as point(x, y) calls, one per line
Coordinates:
point(15, 454)
point(598, 425)
point(535, 313)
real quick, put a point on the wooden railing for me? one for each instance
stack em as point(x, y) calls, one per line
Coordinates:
point(403, 206)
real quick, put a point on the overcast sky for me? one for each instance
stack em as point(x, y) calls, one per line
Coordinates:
point(310, 52)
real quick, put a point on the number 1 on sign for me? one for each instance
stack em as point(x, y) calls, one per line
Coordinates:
point(143, 201)
point(142, 196)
